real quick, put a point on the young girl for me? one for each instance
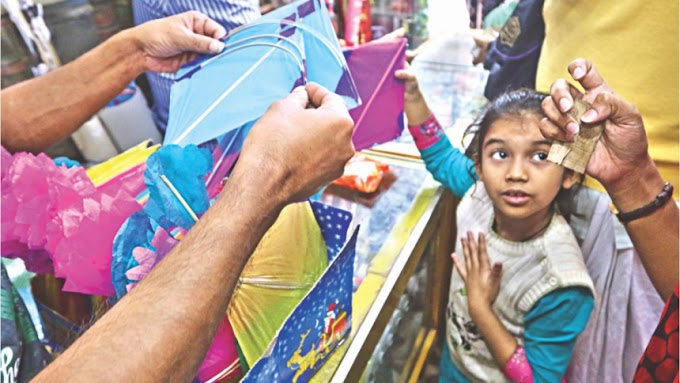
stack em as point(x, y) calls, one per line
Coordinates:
point(520, 293)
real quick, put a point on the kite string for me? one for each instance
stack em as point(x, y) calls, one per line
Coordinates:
point(269, 35)
point(338, 57)
point(233, 86)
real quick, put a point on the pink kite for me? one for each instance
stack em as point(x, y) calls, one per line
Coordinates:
point(380, 117)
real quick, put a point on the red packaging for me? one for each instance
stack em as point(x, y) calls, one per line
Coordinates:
point(362, 174)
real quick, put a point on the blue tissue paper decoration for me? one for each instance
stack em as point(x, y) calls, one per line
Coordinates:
point(186, 169)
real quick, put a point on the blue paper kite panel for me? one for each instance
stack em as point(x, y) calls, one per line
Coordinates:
point(261, 63)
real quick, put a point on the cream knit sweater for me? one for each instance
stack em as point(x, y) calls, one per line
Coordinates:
point(531, 270)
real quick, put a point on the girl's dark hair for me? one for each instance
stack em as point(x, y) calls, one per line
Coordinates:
point(515, 103)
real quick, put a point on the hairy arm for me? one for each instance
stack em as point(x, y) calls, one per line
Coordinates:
point(41, 111)
point(44, 110)
point(621, 162)
point(655, 236)
point(161, 330)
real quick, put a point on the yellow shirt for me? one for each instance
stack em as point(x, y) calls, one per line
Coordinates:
point(634, 46)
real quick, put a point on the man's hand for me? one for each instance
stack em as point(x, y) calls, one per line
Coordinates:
point(289, 153)
point(623, 146)
point(44, 110)
point(167, 44)
point(482, 282)
point(622, 164)
point(300, 144)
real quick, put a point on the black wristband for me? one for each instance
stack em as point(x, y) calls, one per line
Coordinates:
point(660, 200)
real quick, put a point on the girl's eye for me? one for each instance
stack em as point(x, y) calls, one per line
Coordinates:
point(540, 156)
point(499, 155)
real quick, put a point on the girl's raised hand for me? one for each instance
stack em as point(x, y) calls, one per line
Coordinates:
point(482, 282)
point(414, 103)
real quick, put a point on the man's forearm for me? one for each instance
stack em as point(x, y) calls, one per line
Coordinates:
point(656, 241)
point(42, 111)
point(162, 329)
point(655, 236)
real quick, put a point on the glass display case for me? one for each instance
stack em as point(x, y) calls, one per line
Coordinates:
point(394, 358)
point(399, 307)
point(402, 272)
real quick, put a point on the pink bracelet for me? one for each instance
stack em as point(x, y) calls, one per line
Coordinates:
point(427, 133)
point(518, 368)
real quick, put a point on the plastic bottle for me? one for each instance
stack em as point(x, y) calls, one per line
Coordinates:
point(93, 141)
point(128, 120)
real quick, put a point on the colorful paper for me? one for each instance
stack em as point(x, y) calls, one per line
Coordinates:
point(181, 169)
point(287, 262)
point(261, 63)
point(362, 174)
point(314, 329)
point(54, 216)
point(305, 235)
point(149, 235)
point(380, 118)
point(225, 151)
point(111, 169)
point(124, 171)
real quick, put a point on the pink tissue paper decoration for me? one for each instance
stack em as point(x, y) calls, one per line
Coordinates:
point(147, 258)
point(130, 180)
point(55, 215)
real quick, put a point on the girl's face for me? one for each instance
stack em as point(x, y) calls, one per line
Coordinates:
point(518, 178)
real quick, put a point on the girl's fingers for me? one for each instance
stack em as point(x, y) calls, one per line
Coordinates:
point(466, 252)
point(461, 269)
point(483, 256)
point(474, 254)
point(405, 74)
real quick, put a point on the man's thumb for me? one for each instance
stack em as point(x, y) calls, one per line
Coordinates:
point(298, 97)
point(608, 105)
point(205, 44)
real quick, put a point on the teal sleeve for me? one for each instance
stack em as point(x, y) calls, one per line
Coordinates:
point(448, 372)
point(551, 328)
point(449, 166)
